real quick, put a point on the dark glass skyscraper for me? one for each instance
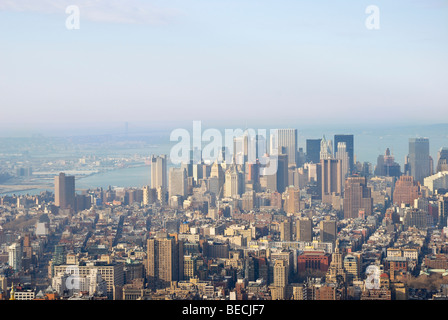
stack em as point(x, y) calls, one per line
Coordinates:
point(349, 144)
point(313, 150)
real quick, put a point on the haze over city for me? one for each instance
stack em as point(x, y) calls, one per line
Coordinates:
point(119, 180)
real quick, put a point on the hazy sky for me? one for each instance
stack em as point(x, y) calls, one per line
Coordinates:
point(233, 60)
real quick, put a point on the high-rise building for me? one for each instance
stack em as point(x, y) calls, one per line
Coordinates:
point(328, 230)
point(326, 149)
point(287, 144)
point(15, 256)
point(419, 159)
point(331, 179)
point(386, 166)
point(443, 210)
point(281, 273)
point(352, 267)
point(436, 182)
point(282, 172)
point(64, 191)
point(442, 161)
point(342, 155)
point(292, 203)
point(357, 198)
point(286, 230)
point(304, 230)
point(313, 150)
point(218, 173)
point(406, 190)
point(349, 145)
point(177, 182)
point(165, 261)
point(233, 183)
point(159, 172)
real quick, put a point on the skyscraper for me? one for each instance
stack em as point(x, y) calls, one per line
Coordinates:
point(282, 172)
point(15, 256)
point(442, 161)
point(304, 230)
point(313, 150)
point(342, 155)
point(331, 179)
point(165, 261)
point(328, 230)
point(349, 147)
point(386, 166)
point(158, 172)
point(406, 190)
point(419, 160)
point(287, 144)
point(357, 198)
point(64, 191)
point(233, 183)
point(326, 149)
point(178, 182)
point(286, 230)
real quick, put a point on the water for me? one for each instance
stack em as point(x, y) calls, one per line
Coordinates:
point(127, 177)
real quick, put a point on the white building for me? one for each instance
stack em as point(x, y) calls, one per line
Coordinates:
point(15, 256)
point(437, 181)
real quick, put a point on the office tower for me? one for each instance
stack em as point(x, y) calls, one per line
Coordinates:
point(287, 144)
point(292, 203)
point(386, 166)
point(301, 158)
point(64, 191)
point(233, 183)
point(349, 145)
point(443, 210)
point(165, 261)
point(241, 148)
point(326, 149)
point(59, 254)
point(419, 160)
point(190, 267)
point(177, 182)
point(198, 172)
point(442, 161)
point(342, 155)
point(352, 267)
point(15, 256)
point(253, 175)
point(149, 195)
point(304, 227)
point(406, 190)
point(328, 230)
point(281, 273)
point(357, 198)
point(286, 230)
point(313, 150)
point(159, 172)
point(437, 183)
point(282, 172)
point(331, 179)
point(218, 173)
